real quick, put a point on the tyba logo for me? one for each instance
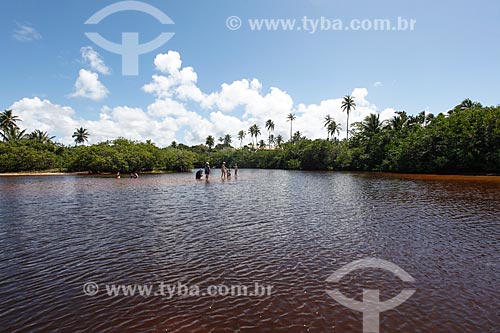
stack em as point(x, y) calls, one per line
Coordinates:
point(130, 49)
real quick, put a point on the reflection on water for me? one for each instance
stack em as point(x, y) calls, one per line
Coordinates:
point(283, 228)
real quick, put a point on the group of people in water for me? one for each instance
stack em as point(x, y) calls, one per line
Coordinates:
point(225, 171)
point(134, 175)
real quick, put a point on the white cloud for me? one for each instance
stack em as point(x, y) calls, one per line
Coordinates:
point(169, 62)
point(88, 86)
point(377, 84)
point(93, 58)
point(25, 33)
point(36, 113)
point(181, 111)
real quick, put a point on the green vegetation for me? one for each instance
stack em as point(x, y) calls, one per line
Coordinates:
point(466, 140)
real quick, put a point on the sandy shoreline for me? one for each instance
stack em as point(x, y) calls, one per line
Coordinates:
point(31, 174)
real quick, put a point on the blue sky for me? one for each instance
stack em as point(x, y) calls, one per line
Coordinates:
point(452, 54)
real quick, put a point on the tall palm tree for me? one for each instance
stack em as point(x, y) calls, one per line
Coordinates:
point(279, 140)
point(41, 137)
point(210, 142)
point(291, 117)
point(270, 128)
point(348, 105)
point(241, 136)
point(333, 128)
point(8, 120)
point(251, 130)
point(328, 121)
point(81, 135)
point(257, 132)
point(254, 132)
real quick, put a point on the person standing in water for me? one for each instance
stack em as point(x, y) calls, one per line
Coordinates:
point(235, 167)
point(207, 170)
point(223, 170)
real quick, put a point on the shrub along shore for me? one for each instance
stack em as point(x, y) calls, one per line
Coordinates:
point(465, 140)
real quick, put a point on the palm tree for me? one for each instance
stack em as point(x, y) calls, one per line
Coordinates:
point(251, 130)
point(270, 128)
point(279, 140)
point(333, 128)
point(81, 135)
point(210, 142)
point(254, 132)
point(13, 134)
point(227, 140)
point(40, 137)
point(291, 117)
point(371, 124)
point(328, 121)
point(348, 105)
point(272, 140)
point(297, 136)
point(400, 121)
point(241, 136)
point(8, 120)
point(262, 144)
point(257, 132)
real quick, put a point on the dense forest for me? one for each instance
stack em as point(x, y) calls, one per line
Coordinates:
point(464, 140)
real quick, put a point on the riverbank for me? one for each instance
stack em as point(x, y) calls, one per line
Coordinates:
point(459, 178)
point(428, 177)
point(50, 173)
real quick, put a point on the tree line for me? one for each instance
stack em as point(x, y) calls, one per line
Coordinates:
point(464, 140)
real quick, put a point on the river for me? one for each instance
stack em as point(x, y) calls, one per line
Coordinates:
point(67, 241)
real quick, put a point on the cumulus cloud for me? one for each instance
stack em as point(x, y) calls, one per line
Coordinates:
point(25, 33)
point(94, 60)
point(181, 111)
point(88, 86)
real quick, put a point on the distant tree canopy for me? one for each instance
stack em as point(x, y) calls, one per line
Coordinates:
point(465, 140)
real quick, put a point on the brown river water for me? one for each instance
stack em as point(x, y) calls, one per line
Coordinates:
point(66, 241)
